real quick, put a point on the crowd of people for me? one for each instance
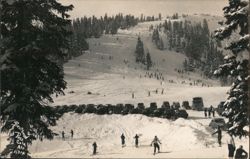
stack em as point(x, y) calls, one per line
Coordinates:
point(154, 143)
point(240, 153)
point(208, 112)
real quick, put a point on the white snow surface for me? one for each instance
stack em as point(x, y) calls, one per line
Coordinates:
point(112, 82)
point(181, 138)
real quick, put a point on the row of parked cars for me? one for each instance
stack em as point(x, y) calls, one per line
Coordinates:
point(165, 111)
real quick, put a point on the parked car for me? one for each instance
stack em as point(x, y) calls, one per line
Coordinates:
point(185, 105)
point(110, 108)
point(136, 111)
point(153, 106)
point(141, 106)
point(218, 122)
point(176, 105)
point(166, 105)
point(181, 113)
point(159, 112)
point(219, 108)
point(127, 109)
point(118, 108)
point(72, 108)
point(101, 109)
point(90, 108)
point(80, 109)
point(169, 113)
point(197, 104)
point(147, 111)
point(129, 106)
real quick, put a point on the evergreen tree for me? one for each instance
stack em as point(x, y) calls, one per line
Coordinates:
point(139, 52)
point(159, 16)
point(185, 65)
point(235, 108)
point(148, 61)
point(18, 142)
point(34, 38)
point(170, 41)
point(141, 19)
point(155, 36)
point(160, 44)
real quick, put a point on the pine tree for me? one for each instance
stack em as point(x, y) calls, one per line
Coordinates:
point(148, 61)
point(235, 108)
point(35, 39)
point(18, 142)
point(139, 52)
point(170, 41)
point(185, 65)
point(159, 16)
point(155, 36)
point(160, 44)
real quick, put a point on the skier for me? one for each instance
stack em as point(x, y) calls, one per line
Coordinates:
point(72, 133)
point(63, 135)
point(148, 93)
point(156, 91)
point(123, 140)
point(205, 112)
point(136, 140)
point(219, 135)
point(231, 147)
point(133, 95)
point(162, 91)
point(241, 153)
point(156, 143)
point(94, 148)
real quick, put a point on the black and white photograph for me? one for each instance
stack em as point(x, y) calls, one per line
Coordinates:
point(124, 79)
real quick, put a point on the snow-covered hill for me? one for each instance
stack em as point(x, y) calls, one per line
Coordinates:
point(109, 73)
point(180, 138)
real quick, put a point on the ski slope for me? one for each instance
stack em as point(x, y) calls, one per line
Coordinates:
point(112, 81)
point(182, 138)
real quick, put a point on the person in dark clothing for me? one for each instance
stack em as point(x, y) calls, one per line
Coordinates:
point(156, 143)
point(231, 147)
point(133, 95)
point(72, 133)
point(209, 112)
point(94, 148)
point(205, 112)
point(136, 140)
point(63, 135)
point(123, 140)
point(219, 135)
point(212, 110)
point(241, 153)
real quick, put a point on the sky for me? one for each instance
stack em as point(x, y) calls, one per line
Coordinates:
point(147, 7)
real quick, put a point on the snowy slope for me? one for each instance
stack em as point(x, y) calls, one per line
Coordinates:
point(112, 81)
point(180, 138)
